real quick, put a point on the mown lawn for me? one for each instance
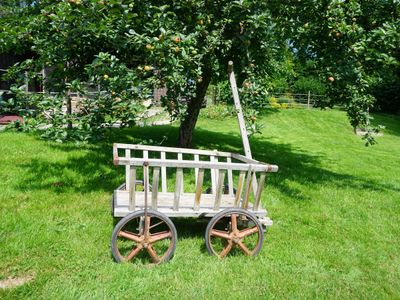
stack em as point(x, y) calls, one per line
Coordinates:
point(335, 206)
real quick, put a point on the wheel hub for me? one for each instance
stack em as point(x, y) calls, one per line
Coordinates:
point(236, 240)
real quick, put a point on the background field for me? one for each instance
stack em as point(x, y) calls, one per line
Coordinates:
point(335, 206)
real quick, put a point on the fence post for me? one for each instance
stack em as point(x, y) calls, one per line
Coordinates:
point(308, 100)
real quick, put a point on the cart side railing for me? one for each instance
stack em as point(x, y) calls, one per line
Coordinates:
point(219, 163)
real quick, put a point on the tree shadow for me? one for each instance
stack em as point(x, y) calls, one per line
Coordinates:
point(295, 164)
point(391, 123)
point(90, 168)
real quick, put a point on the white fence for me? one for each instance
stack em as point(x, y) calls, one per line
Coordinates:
point(290, 100)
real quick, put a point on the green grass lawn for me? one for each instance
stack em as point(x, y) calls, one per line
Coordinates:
point(335, 206)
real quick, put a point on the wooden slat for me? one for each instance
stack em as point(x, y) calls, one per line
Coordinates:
point(259, 191)
point(213, 181)
point(230, 178)
point(201, 164)
point(127, 170)
point(167, 199)
point(186, 209)
point(239, 189)
point(115, 154)
point(244, 158)
point(216, 171)
point(178, 187)
point(199, 187)
point(242, 124)
point(154, 187)
point(220, 187)
point(163, 175)
point(247, 190)
point(254, 183)
point(132, 188)
point(145, 158)
point(180, 158)
point(196, 170)
point(185, 212)
point(171, 149)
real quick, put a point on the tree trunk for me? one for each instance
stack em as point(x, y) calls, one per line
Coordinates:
point(187, 126)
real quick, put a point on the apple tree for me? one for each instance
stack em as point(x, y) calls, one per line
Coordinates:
point(127, 48)
point(353, 45)
point(130, 47)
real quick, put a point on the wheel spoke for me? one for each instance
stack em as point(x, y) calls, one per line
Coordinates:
point(220, 233)
point(227, 249)
point(234, 222)
point(248, 231)
point(134, 252)
point(159, 236)
point(145, 236)
point(153, 254)
point(129, 236)
point(159, 223)
point(147, 225)
point(244, 248)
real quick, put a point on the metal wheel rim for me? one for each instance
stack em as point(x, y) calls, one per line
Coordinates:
point(234, 239)
point(144, 241)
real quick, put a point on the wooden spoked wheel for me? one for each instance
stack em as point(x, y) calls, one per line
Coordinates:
point(151, 239)
point(232, 231)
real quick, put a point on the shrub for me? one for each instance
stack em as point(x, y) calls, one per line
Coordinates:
point(273, 102)
point(217, 112)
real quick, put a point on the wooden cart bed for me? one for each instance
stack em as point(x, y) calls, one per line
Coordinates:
point(235, 181)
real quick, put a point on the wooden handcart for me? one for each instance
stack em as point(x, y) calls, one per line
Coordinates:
point(227, 188)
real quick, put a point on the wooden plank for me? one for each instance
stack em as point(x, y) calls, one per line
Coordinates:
point(199, 187)
point(171, 149)
point(167, 199)
point(220, 188)
point(239, 189)
point(127, 171)
point(230, 177)
point(201, 164)
point(216, 171)
point(236, 100)
point(115, 154)
point(145, 158)
point(245, 159)
point(154, 187)
point(213, 180)
point(186, 208)
point(185, 212)
point(132, 188)
point(163, 175)
point(259, 191)
point(180, 158)
point(247, 190)
point(196, 170)
point(254, 184)
point(178, 187)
